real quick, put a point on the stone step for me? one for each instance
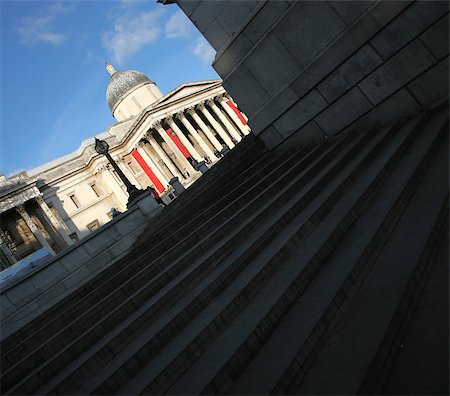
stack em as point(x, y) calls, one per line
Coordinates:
point(331, 154)
point(309, 317)
point(206, 198)
point(258, 329)
point(419, 361)
point(84, 390)
point(27, 361)
point(254, 154)
point(238, 193)
point(358, 336)
point(239, 290)
point(33, 338)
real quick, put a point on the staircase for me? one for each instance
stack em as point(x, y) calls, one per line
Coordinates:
point(296, 273)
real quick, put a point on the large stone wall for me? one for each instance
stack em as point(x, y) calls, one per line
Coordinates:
point(302, 70)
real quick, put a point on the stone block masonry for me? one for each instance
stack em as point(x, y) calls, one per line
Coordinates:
point(356, 55)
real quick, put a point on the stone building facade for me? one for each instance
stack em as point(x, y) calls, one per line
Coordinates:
point(305, 70)
point(157, 139)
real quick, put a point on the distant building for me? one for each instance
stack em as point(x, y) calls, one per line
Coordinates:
point(157, 137)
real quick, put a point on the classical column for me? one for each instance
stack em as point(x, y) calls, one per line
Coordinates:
point(158, 162)
point(33, 227)
point(181, 158)
point(60, 229)
point(114, 184)
point(162, 154)
point(230, 127)
point(129, 173)
point(184, 139)
point(196, 136)
point(243, 128)
point(222, 133)
point(5, 248)
point(205, 129)
point(146, 157)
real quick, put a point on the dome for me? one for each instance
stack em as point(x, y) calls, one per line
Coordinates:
point(123, 83)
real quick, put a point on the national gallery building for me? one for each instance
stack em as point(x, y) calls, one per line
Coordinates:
point(158, 139)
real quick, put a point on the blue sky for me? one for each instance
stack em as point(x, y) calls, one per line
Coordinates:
point(53, 79)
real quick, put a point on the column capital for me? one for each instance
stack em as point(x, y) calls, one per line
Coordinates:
point(169, 118)
point(180, 115)
point(40, 200)
point(191, 110)
point(222, 97)
point(210, 102)
point(201, 105)
point(157, 125)
point(148, 135)
point(21, 209)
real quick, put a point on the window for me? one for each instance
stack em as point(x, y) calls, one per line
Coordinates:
point(93, 226)
point(74, 236)
point(95, 189)
point(75, 201)
point(137, 103)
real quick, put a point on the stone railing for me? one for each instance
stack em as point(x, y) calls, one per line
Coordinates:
point(36, 289)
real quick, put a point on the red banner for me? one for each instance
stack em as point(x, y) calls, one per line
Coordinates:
point(147, 170)
point(178, 143)
point(238, 112)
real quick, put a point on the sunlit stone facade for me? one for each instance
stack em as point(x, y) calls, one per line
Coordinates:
point(157, 138)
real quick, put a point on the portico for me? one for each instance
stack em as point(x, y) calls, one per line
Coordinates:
point(157, 140)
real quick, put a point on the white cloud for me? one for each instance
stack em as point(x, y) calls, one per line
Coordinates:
point(204, 50)
point(178, 26)
point(40, 29)
point(131, 33)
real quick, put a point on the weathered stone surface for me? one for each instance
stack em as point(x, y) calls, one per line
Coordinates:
point(234, 14)
point(74, 258)
point(436, 38)
point(232, 55)
point(408, 25)
point(273, 109)
point(385, 11)
point(247, 91)
point(204, 14)
point(347, 43)
point(271, 137)
point(48, 275)
point(264, 19)
point(401, 104)
point(349, 73)
point(399, 70)
point(431, 85)
point(306, 39)
point(189, 7)
point(217, 37)
point(309, 134)
point(268, 59)
point(300, 114)
point(343, 112)
point(350, 10)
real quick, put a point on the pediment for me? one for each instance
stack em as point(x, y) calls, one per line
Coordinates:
point(186, 90)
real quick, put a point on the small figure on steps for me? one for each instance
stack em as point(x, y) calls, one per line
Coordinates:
point(157, 197)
